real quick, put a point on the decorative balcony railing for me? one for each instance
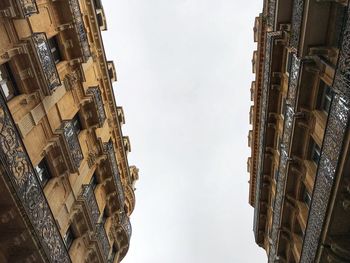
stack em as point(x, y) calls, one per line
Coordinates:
point(271, 13)
point(284, 154)
point(331, 151)
point(28, 7)
point(101, 236)
point(95, 91)
point(79, 27)
point(48, 66)
point(109, 149)
point(124, 221)
point(72, 144)
point(263, 113)
point(21, 175)
point(88, 196)
point(297, 17)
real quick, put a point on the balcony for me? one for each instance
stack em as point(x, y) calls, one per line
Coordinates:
point(125, 224)
point(72, 149)
point(331, 155)
point(87, 197)
point(101, 236)
point(121, 232)
point(79, 28)
point(47, 65)
point(20, 174)
point(109, 149)
point(259, 226)
point(27, 7)
point(101, 115)
point(284, 154)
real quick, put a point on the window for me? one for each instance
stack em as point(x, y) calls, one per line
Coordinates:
point(8, 82)
point(55, 51)
point(315, 152)
point(99, 19)
point(93, 182)
point(278, 143)
point(306, 197)
point(69, 237)
point(283, 106)
point(324, 97)
point(43, 172)
point(76, 123)
point(276, 174)
point(289, 62)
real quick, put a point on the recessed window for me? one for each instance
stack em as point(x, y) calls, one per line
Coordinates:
point(43, 172)
point(306, 197)
point(8, 82)
point(276, 174)
point(69, 237)
point(55, 51)
point(99, 19)
point(76, 123)
point(93, 182)
point(315, 151)
point(283, 106)
point(324, 97)
point(289, 62)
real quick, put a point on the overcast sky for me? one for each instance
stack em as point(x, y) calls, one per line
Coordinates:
point(184, 74)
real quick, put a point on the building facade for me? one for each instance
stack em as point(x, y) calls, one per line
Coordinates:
point(299, 166)
point(67, 190)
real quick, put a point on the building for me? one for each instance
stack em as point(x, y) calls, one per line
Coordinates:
point(67, 190)
point(299, 166)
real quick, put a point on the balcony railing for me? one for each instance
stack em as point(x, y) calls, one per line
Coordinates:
point(88, 196)
point(101, 236)
point(109, 149)
point(264, 104)
point(79, 27)
point(95, 91)
point(28, 7)
point(72, 144)
point(271, 13)
point(47, 64)
point(284, 154)
point(331, 151)
point(21, 175)
point(124, 221)
point(297, 17)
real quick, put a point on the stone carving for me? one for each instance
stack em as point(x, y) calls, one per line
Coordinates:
point(26, 184)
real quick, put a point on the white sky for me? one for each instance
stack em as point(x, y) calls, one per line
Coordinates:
point(184, 74)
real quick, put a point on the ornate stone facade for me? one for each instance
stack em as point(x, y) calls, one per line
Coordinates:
point(67, 190)
point(299, 165)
